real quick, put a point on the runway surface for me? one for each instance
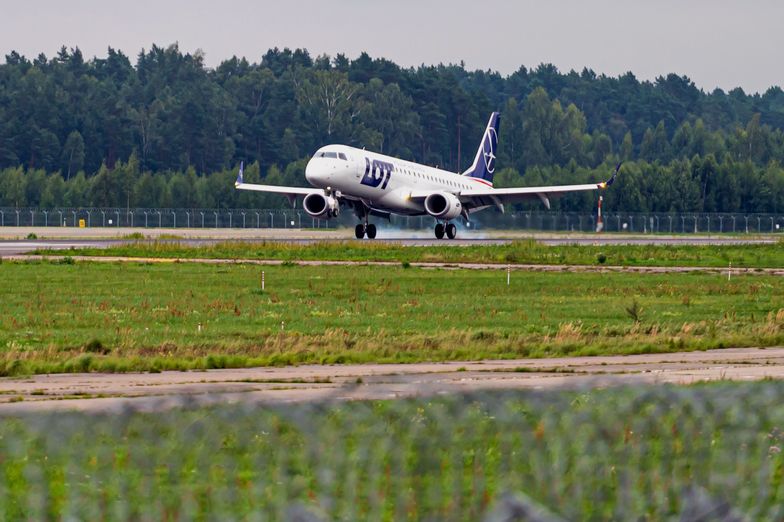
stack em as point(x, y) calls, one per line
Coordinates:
point(13, 242)
point(160, 391)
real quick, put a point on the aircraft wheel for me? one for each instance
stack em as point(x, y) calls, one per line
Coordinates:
point(371, 231)
point(359, 231)
point(439, 231)
point(451, 230)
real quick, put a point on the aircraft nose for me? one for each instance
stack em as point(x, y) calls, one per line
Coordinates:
point(315, 173)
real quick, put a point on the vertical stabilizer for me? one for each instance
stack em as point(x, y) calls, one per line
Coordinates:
point(483, 166)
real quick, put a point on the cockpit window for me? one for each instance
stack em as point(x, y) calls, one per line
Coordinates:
point(333, 155)
point(341, 156)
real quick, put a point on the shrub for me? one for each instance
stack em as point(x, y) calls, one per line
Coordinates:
point(634, 311)
point(96, 346)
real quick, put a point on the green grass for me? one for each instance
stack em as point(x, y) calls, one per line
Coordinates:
point(752, 255)
point(67, 317)
point(624, 454)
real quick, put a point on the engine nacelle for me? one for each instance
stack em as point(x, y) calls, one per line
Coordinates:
point(443, 205)
point(320, 206)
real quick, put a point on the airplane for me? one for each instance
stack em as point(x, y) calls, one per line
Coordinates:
point(373, 184)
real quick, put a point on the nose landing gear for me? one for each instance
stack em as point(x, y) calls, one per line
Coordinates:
point(449, 229)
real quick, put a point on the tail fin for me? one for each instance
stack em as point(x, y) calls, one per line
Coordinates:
point(484, 162)
point(239, 176)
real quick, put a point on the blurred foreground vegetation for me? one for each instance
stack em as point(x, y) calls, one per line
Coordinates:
point(626, 454)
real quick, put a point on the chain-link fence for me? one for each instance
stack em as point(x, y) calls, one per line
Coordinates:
point(651, 453)
point(641, 223)
point(160, 218)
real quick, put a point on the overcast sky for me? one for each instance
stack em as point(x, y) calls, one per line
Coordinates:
point(717, 43)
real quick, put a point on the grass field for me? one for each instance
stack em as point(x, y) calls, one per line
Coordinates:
point(119, 317)
point(523, 252)
point(623, 454)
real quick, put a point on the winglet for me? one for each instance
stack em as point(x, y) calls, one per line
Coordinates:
point(239, 176)
point(605, 184)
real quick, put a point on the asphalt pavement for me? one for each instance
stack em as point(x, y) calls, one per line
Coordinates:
point(13, 240)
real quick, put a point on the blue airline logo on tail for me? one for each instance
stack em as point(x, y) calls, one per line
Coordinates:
point(484, 163)
point(489, 144)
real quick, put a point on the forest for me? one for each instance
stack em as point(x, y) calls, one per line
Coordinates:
point(168, 131)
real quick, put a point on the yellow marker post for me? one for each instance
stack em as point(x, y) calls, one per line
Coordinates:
point(82, 224)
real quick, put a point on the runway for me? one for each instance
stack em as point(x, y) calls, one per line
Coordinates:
point(160, 391)
point(13, 240)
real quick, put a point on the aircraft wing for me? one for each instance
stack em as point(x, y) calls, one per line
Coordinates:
point(290, 192)
point(491, 196)
point(483, 197)
point(277, 189)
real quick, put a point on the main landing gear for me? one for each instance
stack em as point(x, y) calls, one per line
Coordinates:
point(364, 229)
point(449, 229)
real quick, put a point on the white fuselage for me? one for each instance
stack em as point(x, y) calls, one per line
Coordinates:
point(382, 182)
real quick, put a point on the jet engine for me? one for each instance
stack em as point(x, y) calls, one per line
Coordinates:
point(443, 205)
point(320, 206)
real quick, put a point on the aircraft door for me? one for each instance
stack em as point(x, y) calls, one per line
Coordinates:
point(359, 167)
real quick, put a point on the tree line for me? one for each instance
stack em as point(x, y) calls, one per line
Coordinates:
point(169, 131)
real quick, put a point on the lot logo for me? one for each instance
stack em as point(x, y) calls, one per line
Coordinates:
point(377, 173)
point(488, 149)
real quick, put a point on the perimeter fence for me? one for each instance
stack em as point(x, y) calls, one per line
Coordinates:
point(710, 452)
point(642, 223)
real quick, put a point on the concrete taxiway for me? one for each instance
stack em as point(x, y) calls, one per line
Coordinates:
point(156, 391)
